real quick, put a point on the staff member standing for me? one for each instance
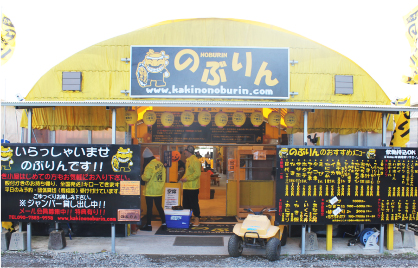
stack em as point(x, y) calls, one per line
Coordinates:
point(154, 177)
point(191, 184)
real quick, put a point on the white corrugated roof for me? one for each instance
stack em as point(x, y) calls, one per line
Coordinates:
point(202, 103)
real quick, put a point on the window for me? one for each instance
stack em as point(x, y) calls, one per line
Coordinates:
point(344, 84)
point(71, 81)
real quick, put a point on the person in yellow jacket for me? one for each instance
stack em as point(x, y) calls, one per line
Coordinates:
point(191, 184)
point(154, 176)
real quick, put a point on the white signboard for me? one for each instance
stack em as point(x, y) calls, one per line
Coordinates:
point(171, 197)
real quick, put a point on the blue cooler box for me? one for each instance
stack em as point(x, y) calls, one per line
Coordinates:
point(178, 218)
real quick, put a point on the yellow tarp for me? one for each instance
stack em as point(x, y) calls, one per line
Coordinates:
point(75, 118)
point(342, 122)
point(105, 75)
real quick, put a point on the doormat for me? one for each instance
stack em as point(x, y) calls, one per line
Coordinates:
point(199, 241)
point(222, 219)
point(202, 229)
point(205, 219)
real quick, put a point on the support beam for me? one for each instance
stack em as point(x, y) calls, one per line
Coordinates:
point(113, 226)
point(305, 127)
point(329, 237)
point(113, 126)
point(29, 224)
point(389, 239)
point(384, 128)
point(381, 238)
point(302, 244)
point(29, 127)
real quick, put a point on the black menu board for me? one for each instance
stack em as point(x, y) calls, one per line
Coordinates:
point(340, 185)
point(95, 183)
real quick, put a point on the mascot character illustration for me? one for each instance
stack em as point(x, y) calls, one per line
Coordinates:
point(153, 68)
point(121, 161)
point(283, 153)
point(371, 154)
point(6, 158)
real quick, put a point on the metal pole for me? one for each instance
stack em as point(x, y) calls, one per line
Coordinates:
point(382, 237)
point(22, 135)
point(309, 228)
point(113, 231)
point(90, 136)
point(113, 126)
point(29, 125)
point(406, 227)
point(384, 127)
point(305, 128)
point(113, 226)
point(29, 239)
point(29, 225)
point(302, 245)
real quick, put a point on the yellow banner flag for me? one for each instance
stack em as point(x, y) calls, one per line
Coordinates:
point(401, 134)
point(410, 21)
point(8, 38)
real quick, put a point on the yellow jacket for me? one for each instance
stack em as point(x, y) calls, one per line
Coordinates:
point(154, 177)
point(193, 170)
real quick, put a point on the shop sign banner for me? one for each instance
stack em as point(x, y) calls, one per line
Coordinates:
point(340, 185)
point(70, 183)
point(209, 72)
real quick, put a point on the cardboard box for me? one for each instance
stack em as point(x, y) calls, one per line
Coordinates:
point(178, 218)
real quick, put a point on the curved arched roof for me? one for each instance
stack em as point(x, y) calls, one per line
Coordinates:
point(105, 75)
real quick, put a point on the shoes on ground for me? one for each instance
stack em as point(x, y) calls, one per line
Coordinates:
point(196, 222)
point(146, 228)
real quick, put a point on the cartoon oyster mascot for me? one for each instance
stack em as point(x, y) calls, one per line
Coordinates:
point(121, 161)
point(153, 69)
point(6, 158)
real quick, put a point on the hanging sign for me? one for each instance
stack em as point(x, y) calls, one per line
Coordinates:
point(167, 158)
point(149, 118)
point(259, 155)
point(167, 119)
point(131, 117)
point(290, 119)
point(238, 118)
point(257, 118)
point(274, 118)
point(209, 72)
point(204, 118)
point(187, 118)
point(221, 119)
point(232, 164)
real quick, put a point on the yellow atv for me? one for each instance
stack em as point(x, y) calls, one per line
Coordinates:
point(257, 230)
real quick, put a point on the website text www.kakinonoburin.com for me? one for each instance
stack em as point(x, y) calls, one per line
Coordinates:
point(210, 91)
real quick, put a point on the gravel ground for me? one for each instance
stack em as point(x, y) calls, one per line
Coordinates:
point(106, 259)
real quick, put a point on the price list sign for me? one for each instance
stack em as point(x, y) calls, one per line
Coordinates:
point(70, 183)
point(358, 185)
